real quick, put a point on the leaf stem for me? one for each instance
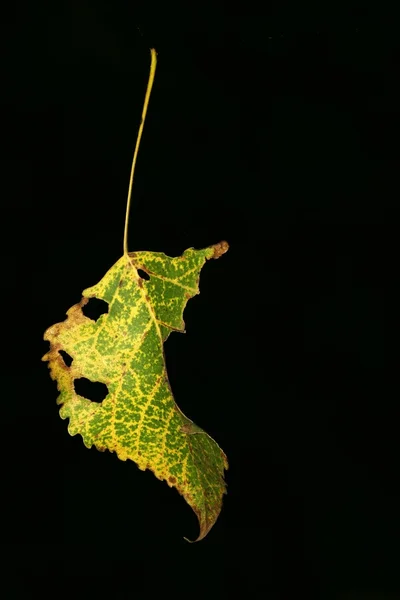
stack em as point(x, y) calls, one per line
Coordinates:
point(144, 111)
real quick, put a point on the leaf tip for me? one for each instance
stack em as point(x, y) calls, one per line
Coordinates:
point(204, 530)
point(190, 541)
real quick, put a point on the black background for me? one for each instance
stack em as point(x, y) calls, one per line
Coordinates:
point(273, 127)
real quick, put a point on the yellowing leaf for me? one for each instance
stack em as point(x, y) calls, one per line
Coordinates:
point(123, 349)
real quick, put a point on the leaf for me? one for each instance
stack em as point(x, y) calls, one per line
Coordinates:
point(123, 349)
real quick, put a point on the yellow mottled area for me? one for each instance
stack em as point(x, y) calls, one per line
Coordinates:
point(123, 349)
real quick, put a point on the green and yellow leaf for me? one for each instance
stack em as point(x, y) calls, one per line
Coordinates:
point(123, 349)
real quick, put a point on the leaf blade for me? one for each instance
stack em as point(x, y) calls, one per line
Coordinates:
point(139, 419)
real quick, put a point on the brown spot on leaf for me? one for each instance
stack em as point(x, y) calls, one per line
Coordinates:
point(191, 428)
point(83, 302)
point(220, 249)
point(172, 479)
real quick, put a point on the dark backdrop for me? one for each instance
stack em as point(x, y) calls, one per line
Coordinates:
point(273, 127)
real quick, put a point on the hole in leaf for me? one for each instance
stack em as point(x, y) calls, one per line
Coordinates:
point(66, 357)
point(92, 390)
point(143, 274)
point(95, 308)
